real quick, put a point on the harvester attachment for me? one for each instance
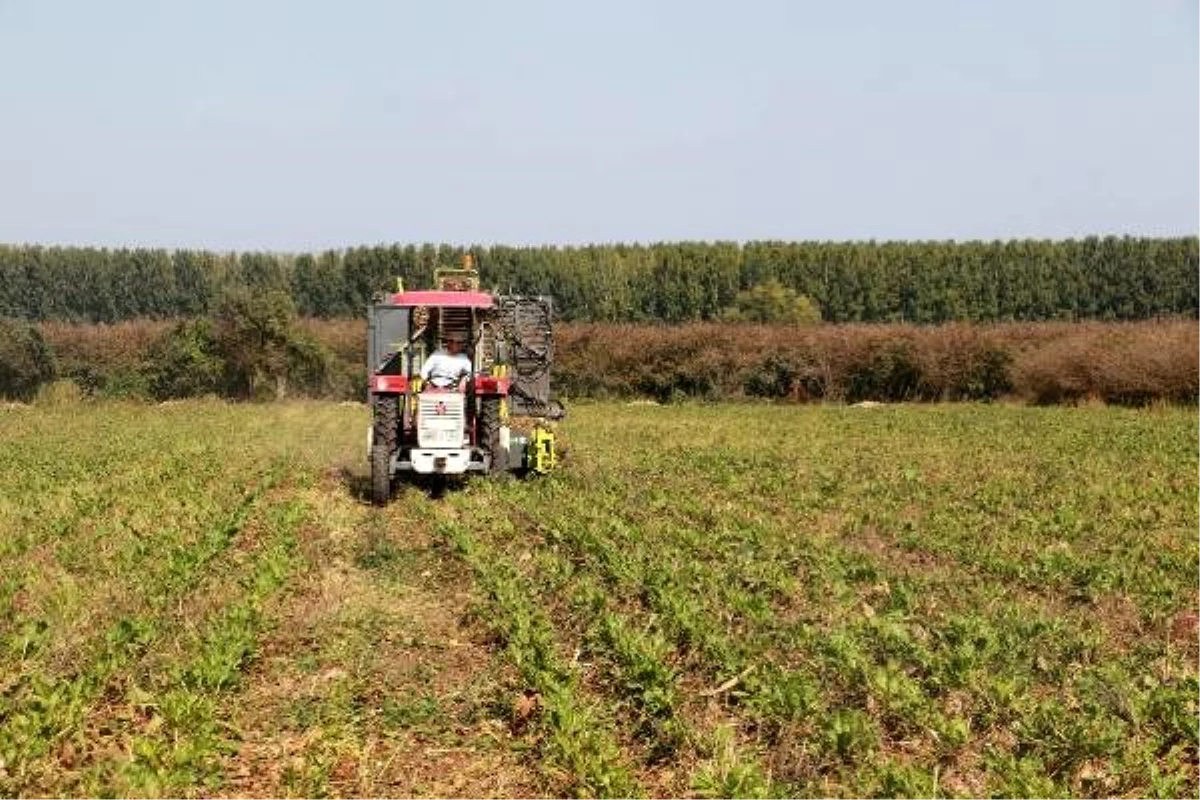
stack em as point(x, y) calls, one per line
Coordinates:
point(527, 331)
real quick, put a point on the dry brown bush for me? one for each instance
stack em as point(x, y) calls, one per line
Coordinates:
point(1132, 363)
point(346, 338)
point(1129, 363)
point(1052, 362)
point(121, 345)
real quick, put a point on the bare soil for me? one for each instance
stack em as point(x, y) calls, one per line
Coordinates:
point(375, 681)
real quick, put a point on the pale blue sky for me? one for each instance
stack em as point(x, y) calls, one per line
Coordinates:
point(234, 124)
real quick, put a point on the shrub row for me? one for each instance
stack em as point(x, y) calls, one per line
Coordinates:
point(240, 356)
point(1125, 363)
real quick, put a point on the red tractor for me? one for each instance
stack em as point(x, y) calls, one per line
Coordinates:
point(425, 426)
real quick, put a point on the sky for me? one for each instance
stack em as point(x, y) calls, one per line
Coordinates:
point(297, 126)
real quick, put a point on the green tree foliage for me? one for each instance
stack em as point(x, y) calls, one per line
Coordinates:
point(773, 302)
point(251, 348)
point(923, 282)
point(262, 272)
point(262, 347)
point(253, 329)
point(195, 274)
point(188, 362)
point(25, 361)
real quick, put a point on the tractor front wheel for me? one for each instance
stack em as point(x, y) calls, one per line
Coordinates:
point(385, 409)
point(384, 437)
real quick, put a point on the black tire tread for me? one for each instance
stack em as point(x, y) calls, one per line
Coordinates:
point(488, 429)
point(381, 477)
point(386, 416)
point(385, 410)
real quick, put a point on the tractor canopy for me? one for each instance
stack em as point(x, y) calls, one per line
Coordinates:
point(443, 299)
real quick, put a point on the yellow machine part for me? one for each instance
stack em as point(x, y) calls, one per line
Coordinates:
point(540, 456)
point(501, 371)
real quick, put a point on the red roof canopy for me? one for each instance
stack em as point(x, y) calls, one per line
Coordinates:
point(446, 299)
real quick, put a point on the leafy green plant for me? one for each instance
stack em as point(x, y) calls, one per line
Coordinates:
point(26, 362)
point(717, 599)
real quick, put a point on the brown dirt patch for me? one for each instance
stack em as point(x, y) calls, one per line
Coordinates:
point(375, 681)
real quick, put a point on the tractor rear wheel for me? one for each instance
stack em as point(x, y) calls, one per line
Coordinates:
point(381, 475)
point(489, 434)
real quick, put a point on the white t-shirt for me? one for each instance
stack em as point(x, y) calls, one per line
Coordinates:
point(442, 369)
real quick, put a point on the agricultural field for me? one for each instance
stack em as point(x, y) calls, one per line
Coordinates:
point(732, 599)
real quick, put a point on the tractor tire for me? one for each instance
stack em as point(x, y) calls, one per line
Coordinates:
point(385, 435)
point(385, 410)
point(381, 475)
point(488, 430)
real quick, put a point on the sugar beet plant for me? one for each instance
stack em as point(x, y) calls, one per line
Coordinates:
point(759, 600)
point(140, 546)
point(739, 600)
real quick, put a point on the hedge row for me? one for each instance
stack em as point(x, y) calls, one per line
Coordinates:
point(1125, 363)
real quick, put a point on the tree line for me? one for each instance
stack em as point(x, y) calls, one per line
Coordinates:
point(1104, 278)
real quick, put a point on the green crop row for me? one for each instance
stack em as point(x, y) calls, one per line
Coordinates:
point(706, 600)
point(577, 740)
point(909, 601)
point(145, 541)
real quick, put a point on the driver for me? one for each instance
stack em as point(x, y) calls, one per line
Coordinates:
point(449, 363)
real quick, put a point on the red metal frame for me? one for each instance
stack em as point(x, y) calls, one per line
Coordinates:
point(398, 384)
point(486, 384)
point(447, 299)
